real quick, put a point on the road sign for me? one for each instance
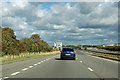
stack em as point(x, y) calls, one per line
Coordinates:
point(58, 45)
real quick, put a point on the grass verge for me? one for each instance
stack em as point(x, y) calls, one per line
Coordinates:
point(108, 56)
point(24, 56)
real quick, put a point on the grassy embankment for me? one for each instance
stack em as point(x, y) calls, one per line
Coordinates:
point(109, 56)
point(23, 56)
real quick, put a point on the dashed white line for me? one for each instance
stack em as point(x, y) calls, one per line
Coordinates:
point(76, 58)
point(90, 69)
point(15, 73)
point(6, 77)
point(81, 61)
point(39, 62)
point(30, 66)
point(42, 61)
point(35, 64)
point(46, 59)
point(24, 69)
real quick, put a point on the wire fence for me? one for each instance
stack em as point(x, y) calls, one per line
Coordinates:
point(22, 55)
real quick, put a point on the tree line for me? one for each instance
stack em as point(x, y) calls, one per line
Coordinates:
point(11, 46)
point(111, 48)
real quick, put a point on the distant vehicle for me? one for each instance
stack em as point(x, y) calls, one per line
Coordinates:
point(68, 53)
point(58, 45)
point(85, 48)
point(80, 48)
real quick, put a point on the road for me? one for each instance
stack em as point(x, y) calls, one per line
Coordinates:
point(84, 67)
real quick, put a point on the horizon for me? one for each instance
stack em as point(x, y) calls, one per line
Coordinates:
point(94, 23)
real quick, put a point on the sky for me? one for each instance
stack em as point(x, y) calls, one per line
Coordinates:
point(73, 23)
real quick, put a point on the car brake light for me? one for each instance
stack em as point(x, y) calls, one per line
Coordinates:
point(73, 51)
point(61, 51)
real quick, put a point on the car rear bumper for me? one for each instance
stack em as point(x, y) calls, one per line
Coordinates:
point(67, 56)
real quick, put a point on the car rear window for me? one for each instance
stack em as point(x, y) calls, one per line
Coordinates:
point(65, 49)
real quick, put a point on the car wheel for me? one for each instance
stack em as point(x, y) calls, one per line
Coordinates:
point(74, 58)
point(61, 57)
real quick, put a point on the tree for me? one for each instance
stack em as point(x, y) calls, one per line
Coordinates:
point(28, 42)
point(21, 46)
point(10, 45)
point(35, 37)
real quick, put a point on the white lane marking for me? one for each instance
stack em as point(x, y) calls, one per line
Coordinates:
point(6, 77)
point(81, 61)
point(24, 69)
point(76, 58)
point(0, 78)
point(30, 66)
point(39, 62)
point(15, 73)
point(35, 64)
point(103, 59)
point(44, 60)
point(90, 69)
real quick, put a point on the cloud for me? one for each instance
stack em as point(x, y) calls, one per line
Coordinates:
point(66, 22)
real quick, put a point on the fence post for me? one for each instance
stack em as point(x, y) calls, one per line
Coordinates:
point(6, 57)
point(19, 55)
point(28, 54)
point(13, 56)
point(9, 57)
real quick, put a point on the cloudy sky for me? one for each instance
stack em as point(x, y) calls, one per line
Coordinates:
point(72, 23)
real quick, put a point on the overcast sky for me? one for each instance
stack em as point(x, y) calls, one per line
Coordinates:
point(72, 23)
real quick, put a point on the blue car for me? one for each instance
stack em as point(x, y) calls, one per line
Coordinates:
point(68, 53)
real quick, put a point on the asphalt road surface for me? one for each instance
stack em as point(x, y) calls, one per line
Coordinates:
point(85, 66)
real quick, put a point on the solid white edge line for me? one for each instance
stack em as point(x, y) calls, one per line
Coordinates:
point(104, 59)
point(90, 69)
point(0, 78)
point(15, 73)
point(24, 69)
